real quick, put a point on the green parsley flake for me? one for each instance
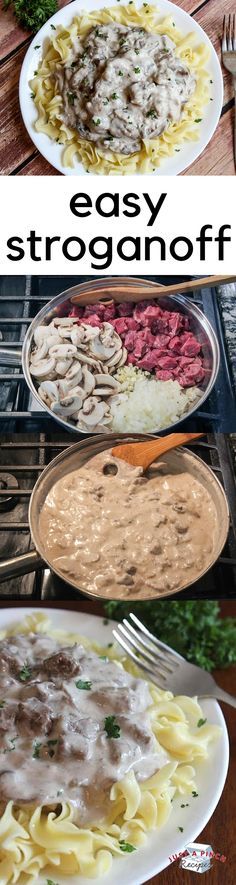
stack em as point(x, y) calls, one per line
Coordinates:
point(126, 846)
point(137, 70)
point(71, 97)
point(37, 747)
point(2, 704)
point(84, 686)
point(114, 95)
point(111, 727)
point(120, 73)
point(201, 722)
point(194, 794)
point(198, 120)
point(181, 829)
point(53, 27)
point(104, 657)
point(97, 121)
point(151, 113)
point(186, 805)
point(50, 882)
point(25, 673)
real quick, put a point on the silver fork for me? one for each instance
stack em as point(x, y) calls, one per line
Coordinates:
point(167, 669)
point(229, 59)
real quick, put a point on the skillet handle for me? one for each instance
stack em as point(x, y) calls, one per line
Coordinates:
point(10, 357)
point(20, 565)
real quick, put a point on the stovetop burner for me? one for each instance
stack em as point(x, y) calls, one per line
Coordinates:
point(8, 482)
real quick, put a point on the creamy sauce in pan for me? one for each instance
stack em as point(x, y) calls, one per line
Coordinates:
point(123, 85)
point(53, 742)
point(122, 533)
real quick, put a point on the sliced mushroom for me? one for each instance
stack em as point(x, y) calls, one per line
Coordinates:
point(92, 411)
point(123, 358)
point(103, 391)
point(39, 353)
point(88, 381)
point(107, 380)
point(74, 374)
point(67, 406)
point(115, 359)
point(40, 335)
point(78, 337)
point(85, 358)
point(62, 350)
point(63, 366)
point(65, 321)
point(48, 391)
point(101, 349)
point(44, 369)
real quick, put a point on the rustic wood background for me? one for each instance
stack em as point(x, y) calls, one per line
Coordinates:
point(17, 153)
point(220, 831)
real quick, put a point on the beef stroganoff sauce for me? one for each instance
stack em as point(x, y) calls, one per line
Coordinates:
point(54, 709)
point(124, 85)
point(123, 533)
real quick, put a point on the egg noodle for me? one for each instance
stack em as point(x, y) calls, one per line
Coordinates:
point(49, 103)
point(36, 839)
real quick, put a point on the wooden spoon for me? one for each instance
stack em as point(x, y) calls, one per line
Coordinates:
point(142, 454)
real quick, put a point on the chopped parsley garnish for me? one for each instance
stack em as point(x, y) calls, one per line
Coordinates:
point(104, 657)
point(37, 747)
point(137, 51)
point(32, 95)
point(186, 805)
point(151, 113)
point(50, 882)
point(51, 744)
point(114, 95)
point(38, 46)
point(71, 97)
point(110, 644)
point(201, 722)
point(198, 120)
point(211, 81)
point(12, 741)
point(35, 73)
point(126, 846)
point(137, 70)
point(25, 673)
point(2, 704)
point(120, 73)
point(145, 4)
point(59, 792)
point(194, 794)
point(97, 121)
point(111, 727)
point(53, 27)
point(84, 686)
point(181, 829)
point(73, 64)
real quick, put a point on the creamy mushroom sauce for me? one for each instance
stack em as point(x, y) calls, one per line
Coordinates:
point(123, 533)
point(123, 85)
point(53, 742)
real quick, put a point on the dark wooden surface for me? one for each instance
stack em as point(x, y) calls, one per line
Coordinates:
point(220, 831)
point(17, 153)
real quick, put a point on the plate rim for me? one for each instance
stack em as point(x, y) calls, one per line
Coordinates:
point(17, 612)
point(78, 168)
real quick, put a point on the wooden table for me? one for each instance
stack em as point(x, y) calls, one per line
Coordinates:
point(220, 831)
point(17, 153)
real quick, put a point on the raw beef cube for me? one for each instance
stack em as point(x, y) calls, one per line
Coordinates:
point(161, 341)
point(164, 375)
point(131, 359)
point(175, 322)
point(140, 348)
point(92, 320)
point(125, 309)
point(131, 324)
point(109, 312)
point(92, 309)
point(167, 362)
point(175, 344)
point(130, 340)
point(120, 325)
point(75, 311)
point(191, 347)
point(146, 335)
point(149, 361)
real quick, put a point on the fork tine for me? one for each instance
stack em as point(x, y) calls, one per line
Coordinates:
point(155, 656)
point(167, 653)
point(134, 657)
point(224, 39)
point(147, 657)
point(230, 44)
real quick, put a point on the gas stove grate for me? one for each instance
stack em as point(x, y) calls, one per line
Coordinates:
point(20, 300)
point(23, 458)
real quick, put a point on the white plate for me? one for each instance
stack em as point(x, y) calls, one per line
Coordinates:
point(171, 165)
point(139, 867)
